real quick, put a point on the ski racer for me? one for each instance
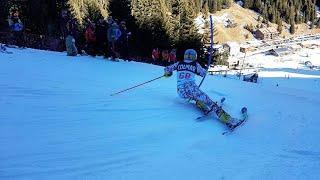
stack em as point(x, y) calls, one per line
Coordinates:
point(188, 89)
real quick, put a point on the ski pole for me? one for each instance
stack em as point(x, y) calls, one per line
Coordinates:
point(211, 49)
point(136, 86)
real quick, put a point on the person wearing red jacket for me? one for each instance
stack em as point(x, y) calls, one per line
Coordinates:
point(155, 55)
point(90, 39)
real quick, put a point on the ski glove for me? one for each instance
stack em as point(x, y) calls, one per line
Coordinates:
point(167, 74)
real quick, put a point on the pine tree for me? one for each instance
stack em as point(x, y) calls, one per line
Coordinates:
point(187, 26)
point(248, 3)
point(279, 23)
point(81, 9)
point(257, 5)
point(215, 6)
point(292, 27)
point(227, 3)
point(206, 38)
point(153, 19)
point(188, 34)
point(304, 10)
point(219, 5)
point(205, 8)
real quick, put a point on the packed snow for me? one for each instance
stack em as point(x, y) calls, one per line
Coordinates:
point(200, 22)
point(58, 121)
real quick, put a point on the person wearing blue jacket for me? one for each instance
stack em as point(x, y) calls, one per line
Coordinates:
point(113, 35)
point(16, 27)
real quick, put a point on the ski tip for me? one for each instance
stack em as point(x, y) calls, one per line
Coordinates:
point(223, 99)
point(244, 110)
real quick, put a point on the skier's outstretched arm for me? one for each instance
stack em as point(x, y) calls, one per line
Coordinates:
point(200, 70)
point(169, 69)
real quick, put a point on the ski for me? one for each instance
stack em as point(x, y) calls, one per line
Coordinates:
point(3, 49)
point(244, 112)
point(14, 46)
point(6, 52)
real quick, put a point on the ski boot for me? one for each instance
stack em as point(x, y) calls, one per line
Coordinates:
point(202, 106)
point(224, 117)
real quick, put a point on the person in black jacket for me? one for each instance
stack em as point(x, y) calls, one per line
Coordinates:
point(101, 35)
point(64, 18)
point(124, 41)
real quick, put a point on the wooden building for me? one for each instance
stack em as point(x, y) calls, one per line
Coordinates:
point(267, 33)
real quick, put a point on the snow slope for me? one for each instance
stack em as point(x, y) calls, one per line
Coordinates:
point(57, 121)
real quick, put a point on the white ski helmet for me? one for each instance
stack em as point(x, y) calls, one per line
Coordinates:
point(190, 54)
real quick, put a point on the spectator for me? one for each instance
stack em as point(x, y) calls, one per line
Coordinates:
point(71, 46)
point(123, 41)
point(113, 36)
point(70, 40)
point(64, 18)
point(108, 22)
point(101, 38)
point(173, 56)
point(90, 38)
point(165, 57)
point(71, 27)
point(155, 55)
point(16, 27)
point(73, 30)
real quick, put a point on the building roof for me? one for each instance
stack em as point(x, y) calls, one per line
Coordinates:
point(263, 30)
point(311, 42)
point(268, 30)
point(282, 50)
point(295, 46)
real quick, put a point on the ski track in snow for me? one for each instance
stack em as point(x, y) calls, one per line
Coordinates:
point(58, 121)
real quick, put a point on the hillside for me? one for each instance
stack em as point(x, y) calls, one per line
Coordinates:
point(242, 17)
point(58, 121)
point(238, 15)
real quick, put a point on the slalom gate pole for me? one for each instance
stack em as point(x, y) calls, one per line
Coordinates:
point(211, 49)
point(136, 86)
